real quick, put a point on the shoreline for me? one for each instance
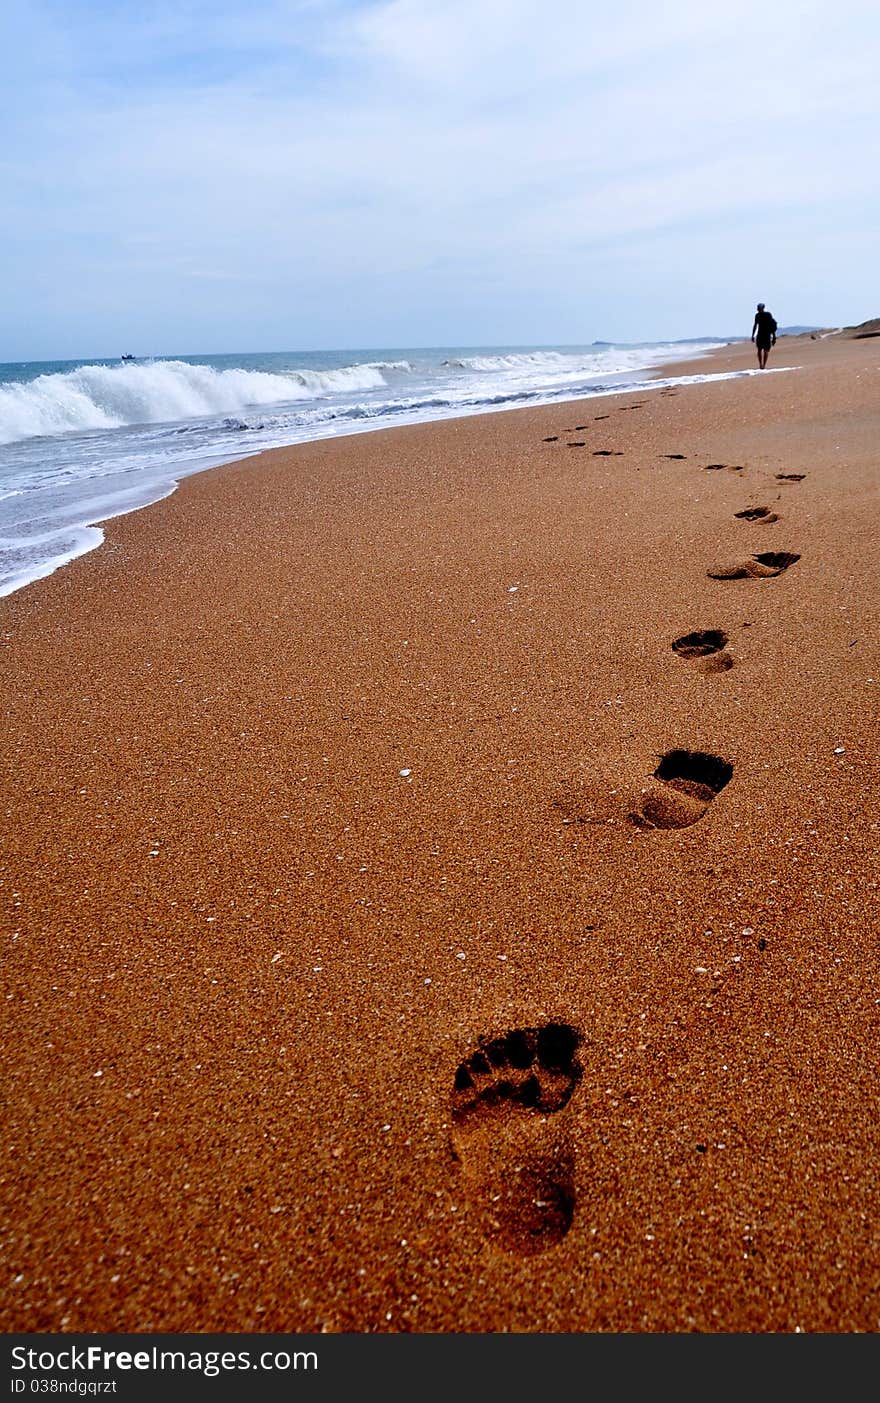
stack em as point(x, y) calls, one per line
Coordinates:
point(165, 486)
point(325, 776)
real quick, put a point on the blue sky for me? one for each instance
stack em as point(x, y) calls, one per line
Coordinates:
point(306, 174)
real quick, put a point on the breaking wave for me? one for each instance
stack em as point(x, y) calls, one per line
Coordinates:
point(113, 396)
point(525, 360)
point(603, 358)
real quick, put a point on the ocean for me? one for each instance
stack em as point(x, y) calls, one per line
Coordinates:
point(84, 441)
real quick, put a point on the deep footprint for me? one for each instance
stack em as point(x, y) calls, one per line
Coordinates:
point(763, 514)
point(707, 646)
point(516, 1159)
point(674, 455)
point(689, 781)
point(790, 477)
point(554, 438)
point(701, 643)
point(761, 567)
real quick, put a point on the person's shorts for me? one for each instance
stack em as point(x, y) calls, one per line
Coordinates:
point(763, 343)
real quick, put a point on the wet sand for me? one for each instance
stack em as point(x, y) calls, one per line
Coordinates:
point(360, 972)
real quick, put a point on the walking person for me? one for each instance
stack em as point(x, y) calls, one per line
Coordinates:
point(763, 333)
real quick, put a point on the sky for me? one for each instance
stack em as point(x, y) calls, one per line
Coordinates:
point(186, 176)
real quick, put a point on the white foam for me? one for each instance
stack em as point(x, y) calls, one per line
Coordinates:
point(83, 539)
point(58, 546)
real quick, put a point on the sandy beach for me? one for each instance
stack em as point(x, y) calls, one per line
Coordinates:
point(401, 934)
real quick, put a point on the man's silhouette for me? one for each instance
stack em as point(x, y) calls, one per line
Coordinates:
point(763, 334)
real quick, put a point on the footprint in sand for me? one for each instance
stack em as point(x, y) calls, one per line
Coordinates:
point(688, 782)
point(790, 477)
point(714, 467)
point(674, 455)
point(607, 452)
point(602, 416)
point(706, 646)
point(513, 1146)
point(554, 438)
point(762, 514)
point(760, 567)
point(576, 443)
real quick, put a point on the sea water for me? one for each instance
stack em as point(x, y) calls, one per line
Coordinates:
point(83, 441)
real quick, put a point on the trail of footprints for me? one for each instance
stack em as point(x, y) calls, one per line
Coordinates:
point(509, 1125)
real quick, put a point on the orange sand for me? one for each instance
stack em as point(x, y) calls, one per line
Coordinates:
point(339, 762)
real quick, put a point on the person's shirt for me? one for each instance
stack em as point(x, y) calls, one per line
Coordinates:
point(764, 324)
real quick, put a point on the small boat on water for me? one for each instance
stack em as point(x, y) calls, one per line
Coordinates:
point(128, 357)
